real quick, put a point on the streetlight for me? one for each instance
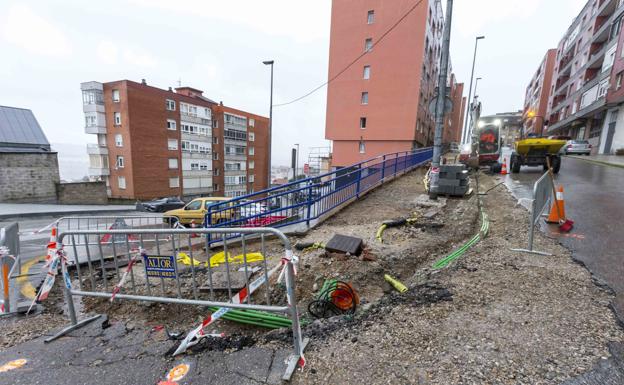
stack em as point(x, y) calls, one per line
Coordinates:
point(474, 59)
point(270, 63)
point(297, 161)
point(476, 84)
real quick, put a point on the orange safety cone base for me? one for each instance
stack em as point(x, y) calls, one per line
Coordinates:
point(504, 168)
point(554, 216)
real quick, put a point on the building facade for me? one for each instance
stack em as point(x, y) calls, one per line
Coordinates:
point(537, 95)
point(380, 103)
point(585, 100)
point(153, 142)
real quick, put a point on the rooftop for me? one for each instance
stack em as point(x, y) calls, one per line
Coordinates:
point(20, 131)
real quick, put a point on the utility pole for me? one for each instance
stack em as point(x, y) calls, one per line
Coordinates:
point(441, 103)
point(270, 63)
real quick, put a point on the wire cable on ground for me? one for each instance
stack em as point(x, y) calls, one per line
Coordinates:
point(485, 227)
point(376, 43)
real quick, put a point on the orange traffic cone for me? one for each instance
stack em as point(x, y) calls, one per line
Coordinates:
point(557, 214)
point(193, 225)
point(504, 168)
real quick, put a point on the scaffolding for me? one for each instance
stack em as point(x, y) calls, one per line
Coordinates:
point(318, 160)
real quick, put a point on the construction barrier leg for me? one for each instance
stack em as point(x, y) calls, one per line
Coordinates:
point(72, 316)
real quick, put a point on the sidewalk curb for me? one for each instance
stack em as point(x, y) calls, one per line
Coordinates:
point(4, 217)
point(601, 162)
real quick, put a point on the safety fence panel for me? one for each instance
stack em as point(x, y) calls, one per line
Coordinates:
point(541, 200)
point(176, 266)
point(112, 222)
point(297, 205)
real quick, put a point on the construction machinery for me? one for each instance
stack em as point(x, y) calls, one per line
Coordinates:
point(536, 152)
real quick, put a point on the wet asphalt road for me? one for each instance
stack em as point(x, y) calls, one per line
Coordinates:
point(594, 200)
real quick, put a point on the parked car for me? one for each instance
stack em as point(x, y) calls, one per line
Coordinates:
point(160, 205)
point(251, 209)
point(577, 147)
point(196, 210)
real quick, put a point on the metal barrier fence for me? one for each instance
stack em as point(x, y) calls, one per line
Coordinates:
point(542, 196)
point(174, 264)
point(9, 240)
point(110, 222)
point(302, 204)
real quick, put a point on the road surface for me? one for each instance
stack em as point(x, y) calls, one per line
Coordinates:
point(594, 199)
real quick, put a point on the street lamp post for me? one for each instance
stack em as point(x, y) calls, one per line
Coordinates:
point(297, 161)
point(476, 85)
point(468, 108)
point(270, 63)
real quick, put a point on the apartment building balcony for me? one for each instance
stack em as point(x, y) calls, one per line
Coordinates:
point(99, 171)
point(95, 129)
point(235, 157)
point(237, 142)
point(607, 7)
point(580, 114)
point(233, 126)
point(234, 172)
point(192, 118)
point(235, 187)
point(595, 60)
point(96, 149)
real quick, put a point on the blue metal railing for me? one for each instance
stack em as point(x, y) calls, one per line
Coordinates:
point(307, 200)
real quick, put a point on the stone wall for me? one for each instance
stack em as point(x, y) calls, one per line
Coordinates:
point(28, 177)
point(82, 193)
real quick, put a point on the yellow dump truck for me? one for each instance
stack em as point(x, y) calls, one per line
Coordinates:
point(534, 152)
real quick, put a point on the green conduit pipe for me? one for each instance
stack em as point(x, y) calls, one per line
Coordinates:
point(256, 318)
point(485, 227)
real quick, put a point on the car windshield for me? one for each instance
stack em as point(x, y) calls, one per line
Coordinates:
point(195, 205)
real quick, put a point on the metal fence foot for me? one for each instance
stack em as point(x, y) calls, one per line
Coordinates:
point(533, 252)
point(293, 360)
point(71, 328)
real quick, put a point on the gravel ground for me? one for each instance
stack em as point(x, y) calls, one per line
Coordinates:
point(494, 316)
point(511, 318)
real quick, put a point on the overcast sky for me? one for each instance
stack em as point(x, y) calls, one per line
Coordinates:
point(49, 47)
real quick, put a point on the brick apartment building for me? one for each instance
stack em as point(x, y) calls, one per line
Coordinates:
point(454, 121)
point(154, 143)
point(380, 103)
point(586, 94)
point(537, 95)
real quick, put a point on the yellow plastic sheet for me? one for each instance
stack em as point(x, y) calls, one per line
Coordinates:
point(219, 259)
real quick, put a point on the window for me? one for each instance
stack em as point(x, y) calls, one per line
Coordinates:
point(117, 118)
point(174, 182)
point(362, 147)
point(368, 44)
point(216, 172)
point(362, 122)
point(366, 72)
point(364, 99)
point(121, 182)
point(371, 17)
point(118, 140)
point(194, 166)
point(172, 144)
point(252, 137)
point(251, 151)
point(170, 105)
point(252, 122)
point(252, 178)
point(90, 121)
point(171, 124)
point(618, 80)
point(173, 163)
point(215, 156)
point(116, 96)
point(120, 161)
point(251, 165)
point(215, 123)
point(215, 187)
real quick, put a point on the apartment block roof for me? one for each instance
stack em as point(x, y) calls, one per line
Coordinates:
point(20, 131)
